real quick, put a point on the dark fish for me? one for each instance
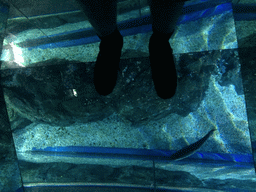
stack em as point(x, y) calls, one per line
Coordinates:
point(191, 149)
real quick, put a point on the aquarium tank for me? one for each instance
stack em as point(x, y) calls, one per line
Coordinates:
point(59, 134)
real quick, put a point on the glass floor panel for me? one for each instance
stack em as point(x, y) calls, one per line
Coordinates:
point(59, 134)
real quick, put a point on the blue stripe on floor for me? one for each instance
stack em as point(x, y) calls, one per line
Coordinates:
point(79, 151)
point(134, 28)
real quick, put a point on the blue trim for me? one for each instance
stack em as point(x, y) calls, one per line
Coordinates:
point(92, 39)
point(86, 187)
point(4, 9)
point(206, 3)
point(245, 17)
point(204, 12)
point(123, 153)
point(66, 187)
point(133, 27)
point(244, 12)
point(19, 190)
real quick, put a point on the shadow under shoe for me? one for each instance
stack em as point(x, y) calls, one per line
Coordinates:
point(162, 65)
point(107, 64)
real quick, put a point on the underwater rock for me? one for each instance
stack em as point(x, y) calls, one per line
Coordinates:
point(62, 92)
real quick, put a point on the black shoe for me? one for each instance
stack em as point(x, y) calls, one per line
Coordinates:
point(107, 64)
point(162, 65)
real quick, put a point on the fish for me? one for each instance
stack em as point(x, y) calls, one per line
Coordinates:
point(191, 149)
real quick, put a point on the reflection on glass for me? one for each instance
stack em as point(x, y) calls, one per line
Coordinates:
point(66, 133)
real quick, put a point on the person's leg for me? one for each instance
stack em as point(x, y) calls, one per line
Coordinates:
point(101, 14)
point(103, 17)
point(165, 14)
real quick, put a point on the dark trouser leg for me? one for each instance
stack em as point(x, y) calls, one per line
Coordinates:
point(102, 16)
point(165, 14)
